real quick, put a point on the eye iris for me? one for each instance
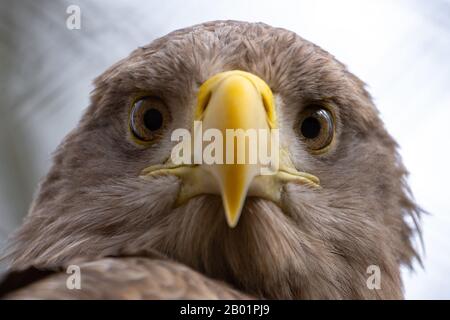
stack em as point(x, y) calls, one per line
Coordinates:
point(147, 118)
point(310, 128)
point(153, 119)
point(316, 128)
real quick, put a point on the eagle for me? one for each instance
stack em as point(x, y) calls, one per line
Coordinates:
point(139, 224)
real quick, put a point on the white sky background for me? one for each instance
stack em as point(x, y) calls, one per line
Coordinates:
point(401, 49)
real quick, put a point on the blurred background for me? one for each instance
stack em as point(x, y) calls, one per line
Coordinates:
point(401, 49)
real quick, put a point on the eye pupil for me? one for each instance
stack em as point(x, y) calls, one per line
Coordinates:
point(153, 119)
point(310, 128)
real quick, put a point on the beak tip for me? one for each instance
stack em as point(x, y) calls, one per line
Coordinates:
point(232, 223)
point(232, 217)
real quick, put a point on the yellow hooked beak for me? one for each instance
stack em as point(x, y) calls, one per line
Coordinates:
point(231, 103)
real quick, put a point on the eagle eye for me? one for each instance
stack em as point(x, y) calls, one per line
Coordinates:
point(316, 127)
point(147, 118)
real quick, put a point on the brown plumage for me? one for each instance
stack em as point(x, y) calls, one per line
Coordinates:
point(129, 278)
point(316, 243)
